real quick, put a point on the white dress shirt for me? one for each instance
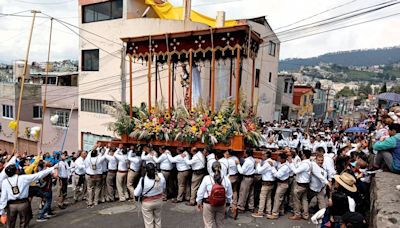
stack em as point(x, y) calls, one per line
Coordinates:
point(210, 160)
point(179, 161)
point(63, 169)
point(197, 162)
point(123, 161)
point(165, 163)
point(271, 145)
point(136, 161)
point(282, 171)
point(149, 158)
point(90, 161)
point(318, 177)
point(224, 166)
point(232, 170)
point(248, 167)
point(293, 143)
point(265, 169)
point(302, 171)
point(329, 166)
point(150, 187)
point(23, 182)
point(306, 144)
point(80, 166)
point(320, 144)
point(206, 186)
point(112, 162)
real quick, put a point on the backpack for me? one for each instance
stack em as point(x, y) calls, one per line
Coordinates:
point(217, 195)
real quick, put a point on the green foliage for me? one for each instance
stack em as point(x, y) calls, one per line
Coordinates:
point(395, 89)
point(383, 89)
point(345, 92)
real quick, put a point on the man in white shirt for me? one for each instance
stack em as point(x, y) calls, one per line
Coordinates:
point(93, 163)
point(14, 195)
point(122, 173)
point(281, 173)
point(78, 176)
point(264, 168)
point(246, 193)
point(134, 171)
point(148, 155)
point(111, 180)
point(302, 171)
point(319, 181)
point(183, 175)
point(166, 168)
point(319, 143)
point(63, 174)
point(233, 174)
point(198, 163)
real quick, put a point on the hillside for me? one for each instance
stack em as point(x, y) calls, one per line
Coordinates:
point(370, 57)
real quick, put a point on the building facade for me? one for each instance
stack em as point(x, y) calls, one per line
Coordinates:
point(303, 97)
point(284, 97)
point(319, 103)
point(104, 66)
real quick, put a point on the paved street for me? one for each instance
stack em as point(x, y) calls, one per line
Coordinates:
point(124, 215)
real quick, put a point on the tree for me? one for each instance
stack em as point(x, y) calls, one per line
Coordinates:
point(384, 88)
point(395, 89)
point(345, 92)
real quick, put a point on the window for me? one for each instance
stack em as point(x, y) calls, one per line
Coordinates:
point(37, 112)
point(257, 80)
point(286, 87)
point(96, 106)
point(272, 48)
point(291, 88)
point(90, 60)
point(102, 11)
point(270, 77)
point(8, 111)
point(63, 118)
point(305, 101)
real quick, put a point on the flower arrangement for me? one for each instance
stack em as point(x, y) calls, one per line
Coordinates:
point(198, 124)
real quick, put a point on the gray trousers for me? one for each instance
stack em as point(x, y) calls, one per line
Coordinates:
point(93, 188)
point(246, 193)
point(300, 199)
point(384, 157)
point(279, 195)
point(266, 198)
point(133, 178)
point(183, 185)
point(21, 210)
point(213, 216)
point(235, 184)
point(80, 186)
point(111, 183)
point(196, 181)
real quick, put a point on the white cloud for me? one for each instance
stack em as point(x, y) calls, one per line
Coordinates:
point(15, 30)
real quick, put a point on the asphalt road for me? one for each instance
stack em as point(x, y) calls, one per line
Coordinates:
point(124, 215)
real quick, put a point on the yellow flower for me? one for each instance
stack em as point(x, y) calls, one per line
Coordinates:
point(194, 129)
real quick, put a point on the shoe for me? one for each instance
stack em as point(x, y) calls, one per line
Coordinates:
point(164, 199)
point(190, 204)
point(295, 217)
point(62, 207)
point(234, 212)
point(272, 216)
point(258, 215)
point(305, 217)
point(50, 215)
point(240, 211)
point(176, 201)
point(90, 206)
point(41, 220)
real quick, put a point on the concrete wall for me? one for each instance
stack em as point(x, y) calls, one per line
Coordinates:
point(385, 206)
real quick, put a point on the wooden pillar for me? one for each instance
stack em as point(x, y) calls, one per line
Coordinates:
point(130, 87)
point(169, 83)
point(237, 80)
point(156, 81)
point(212, 80)
point(190, 78)
point(252, 83)
point(149, 82)
point(230, 78)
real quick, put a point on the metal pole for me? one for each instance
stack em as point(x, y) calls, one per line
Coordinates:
point(66, 130)
point(45, 87)
point(190, 78)
point(237, 80)
point(21, 93)
point(130, 87)
point(123, 78)
point(252, 83)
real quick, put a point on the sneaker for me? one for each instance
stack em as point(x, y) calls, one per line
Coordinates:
point(273, 216)
point(41, 220)
point(373, 171)
point(258, 215)
point(305, 217)
point(51, 215)
point(90, 206)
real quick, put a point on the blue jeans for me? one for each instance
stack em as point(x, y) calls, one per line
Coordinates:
point(48, 197)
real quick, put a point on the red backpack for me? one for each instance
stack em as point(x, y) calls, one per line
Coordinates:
point(217, 196)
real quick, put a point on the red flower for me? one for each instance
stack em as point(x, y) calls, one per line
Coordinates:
point(161, 120)
point(203, 129)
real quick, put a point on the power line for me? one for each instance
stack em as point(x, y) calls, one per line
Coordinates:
point(45, 3)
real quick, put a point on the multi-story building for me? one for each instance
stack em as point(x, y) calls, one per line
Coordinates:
point(61, 101)
point(104, 65)
point(303, 97)
point(284, 96)
point(319, 103)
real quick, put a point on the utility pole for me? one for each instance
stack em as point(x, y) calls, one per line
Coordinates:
point(21, 93)
point(123, 72)
point(327, 102)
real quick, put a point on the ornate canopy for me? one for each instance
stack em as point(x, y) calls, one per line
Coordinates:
point(224, 41)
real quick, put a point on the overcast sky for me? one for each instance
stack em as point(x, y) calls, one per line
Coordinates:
point(382, 33)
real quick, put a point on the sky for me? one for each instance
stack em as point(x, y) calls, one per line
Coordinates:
point(14, 31)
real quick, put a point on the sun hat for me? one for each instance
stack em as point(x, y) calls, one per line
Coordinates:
point(347, 181)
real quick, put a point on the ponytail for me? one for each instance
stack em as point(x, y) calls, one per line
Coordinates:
point(151, 171)
point(216, 168)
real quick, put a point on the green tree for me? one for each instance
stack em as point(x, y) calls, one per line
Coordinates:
point(345, 92)
point(395, 89)
point(384, 88)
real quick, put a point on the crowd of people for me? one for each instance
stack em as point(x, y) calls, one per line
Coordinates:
point(321, 174)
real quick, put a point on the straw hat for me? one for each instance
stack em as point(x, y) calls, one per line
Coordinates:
point(347, 181)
